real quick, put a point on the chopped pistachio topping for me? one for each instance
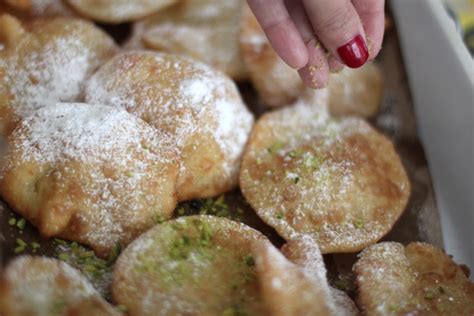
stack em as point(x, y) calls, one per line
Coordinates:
point(113, 255)
point(429, 295)
point(12, 221)
point(275, 147)
point(121, 308)
point(279, 215)
point(20, 246)
point(35, 246)
point(359, 223)
point(249, 261)
point(21, 224)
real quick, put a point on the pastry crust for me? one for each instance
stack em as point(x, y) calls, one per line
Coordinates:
point(418, 279)
point(206, 30)
point(118, 11)
point(41, 8)
point(293, 289)
point(44, 286)
point(197, 106)
point(93, 174)
point(196, 265)
point(44, 62)
point(340, 181)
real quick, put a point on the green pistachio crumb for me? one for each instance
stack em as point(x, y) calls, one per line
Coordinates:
point(121, 308)
point(392, 308)
point(35, 246)
point(12, 221)
point(21, 224)
point(231, 311)
point(60, 242)
point(359, 223)
point(275, 147)
point(279, 215)
point(129, 174)
point(113, 254)
point(429, 295)
point(259, 161)
point(249, 261)
point(63, 256)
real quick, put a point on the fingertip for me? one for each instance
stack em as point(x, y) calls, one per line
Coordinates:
point(314, 77)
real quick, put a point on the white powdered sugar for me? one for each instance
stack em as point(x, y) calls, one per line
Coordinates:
point(201, 101)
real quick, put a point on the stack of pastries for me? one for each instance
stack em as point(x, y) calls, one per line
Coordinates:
point(105, 139)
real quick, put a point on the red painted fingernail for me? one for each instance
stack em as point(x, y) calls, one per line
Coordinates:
point(355, 53)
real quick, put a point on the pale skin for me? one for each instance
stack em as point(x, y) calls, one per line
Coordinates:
point(309, 34)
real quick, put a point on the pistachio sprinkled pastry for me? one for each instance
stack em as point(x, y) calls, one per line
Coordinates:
point(43, 286)
point(339, 181)
point(118, 11)
point(46, 61)
point(417, 279)
point(41, 8)
point(196, 265)
point(200, 108)
point(94, 174)
point(195, 28)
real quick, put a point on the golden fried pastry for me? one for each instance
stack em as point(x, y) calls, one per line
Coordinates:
point(304, 252)
point(196, 265)
point(44, 62)
point(301, 288)
point(356, 92)
point(94, 174)
point(41, 8)
point(201, 108)
point(275, 81)
point(352, 91)
point(118, 11)
point(418, 279)
point(339, 181)
point(44, 286)
point(206, 30)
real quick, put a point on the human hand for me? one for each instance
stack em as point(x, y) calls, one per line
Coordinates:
point(319, 36)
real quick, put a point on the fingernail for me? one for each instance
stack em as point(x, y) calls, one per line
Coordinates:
point(355, 53)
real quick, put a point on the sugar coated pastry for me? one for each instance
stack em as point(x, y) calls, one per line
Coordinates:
point(44, 62)
point(356, 92)
point(206, 30)
point(276, 82)
point(339, 181)
point(44, 287)
point(118, 11)
point(198, 106)
point(41, 8)
point(417, 279)
point(292, 290)
point(196, 265)
point(94, 174)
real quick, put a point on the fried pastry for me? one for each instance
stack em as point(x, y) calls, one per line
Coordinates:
point(44, 62)
point(118, 11)
point(206, 30)
point(355, 92)
point(418, 279)
point(41, 8)
point(289, 289)
point(94, 174)
point(201, 108)
point(196, 265)
point(44, 286)
point(275, 81)
point(339, 181)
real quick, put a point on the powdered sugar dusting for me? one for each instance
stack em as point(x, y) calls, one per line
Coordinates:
point(41, 286)
point(118, 155)
point(202, 101)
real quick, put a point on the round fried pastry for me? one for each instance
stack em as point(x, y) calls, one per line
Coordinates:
point(356, 92)
point(196, 265)
point(206, 30)
point(41, 8)
point(94, 174)
point(339, 181)
point(44, 62)
point(199, 107)
point(45, 286)
point(118, 11)
point(275, 81)
point(418, 279)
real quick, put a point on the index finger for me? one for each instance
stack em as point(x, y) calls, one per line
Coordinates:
point(281, 31)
